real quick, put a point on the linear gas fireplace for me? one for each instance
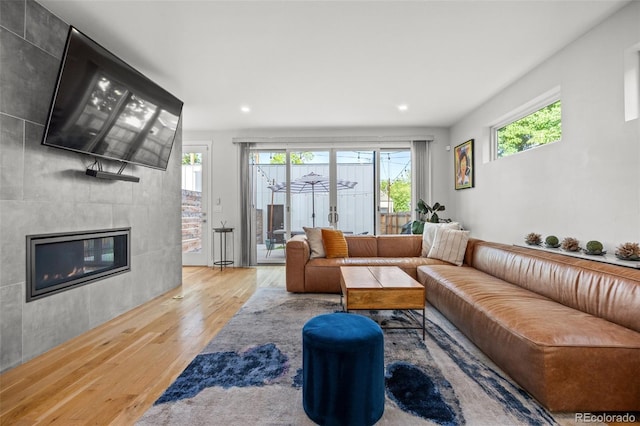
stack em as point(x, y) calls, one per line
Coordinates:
point(59, 262)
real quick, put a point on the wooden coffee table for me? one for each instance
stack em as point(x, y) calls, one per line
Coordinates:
point(381, 288)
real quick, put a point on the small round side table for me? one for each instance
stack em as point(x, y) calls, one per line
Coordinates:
point(223, 261)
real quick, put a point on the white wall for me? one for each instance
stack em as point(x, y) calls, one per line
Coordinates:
point(587, 185)
point(225, 162)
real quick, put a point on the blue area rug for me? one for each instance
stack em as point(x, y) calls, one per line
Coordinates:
point(415, 392)
point(254, 367)
point(251, 373)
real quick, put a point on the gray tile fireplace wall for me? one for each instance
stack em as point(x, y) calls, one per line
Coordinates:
point(44, 190)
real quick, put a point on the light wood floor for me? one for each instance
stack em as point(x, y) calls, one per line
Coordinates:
point(113, 373)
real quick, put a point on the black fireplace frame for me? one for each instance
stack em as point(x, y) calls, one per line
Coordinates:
point(33, 293)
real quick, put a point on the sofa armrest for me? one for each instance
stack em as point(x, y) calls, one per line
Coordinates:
point(297, 255)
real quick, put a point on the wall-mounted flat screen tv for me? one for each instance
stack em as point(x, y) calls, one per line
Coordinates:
point(105, 108)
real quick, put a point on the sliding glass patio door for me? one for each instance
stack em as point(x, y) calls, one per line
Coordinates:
point(269, 177)
point(309, 189)
point(356, 190)
point(395, 190)
point(355, 186)
point(380, 203)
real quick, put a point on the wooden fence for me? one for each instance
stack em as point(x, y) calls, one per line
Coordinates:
point(392, 223)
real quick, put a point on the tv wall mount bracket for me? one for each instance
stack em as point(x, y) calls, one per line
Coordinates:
point(95, 170)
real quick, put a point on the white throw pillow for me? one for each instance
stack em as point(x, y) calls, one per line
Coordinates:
point(314, 238)
point(449, 245)
point(429, 234)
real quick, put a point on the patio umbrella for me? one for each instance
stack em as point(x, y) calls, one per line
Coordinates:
point(311, 183)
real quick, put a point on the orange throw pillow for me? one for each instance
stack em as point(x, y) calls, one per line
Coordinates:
point(334, 243)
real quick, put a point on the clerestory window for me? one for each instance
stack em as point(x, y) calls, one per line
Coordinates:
point(523, 132)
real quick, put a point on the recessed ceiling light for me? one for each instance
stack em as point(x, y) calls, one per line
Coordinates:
point(403, 107)
point(245, 109)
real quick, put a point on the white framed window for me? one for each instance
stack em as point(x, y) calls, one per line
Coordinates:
point(537, 123)
point(632, 83)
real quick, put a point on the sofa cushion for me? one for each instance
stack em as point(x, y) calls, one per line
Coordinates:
point(606, 291)
point(524, 312)
point(334, 243)
point(362, 245)
point(429, 233)
point(314, 238)
point(404, 245)
point(449, 245)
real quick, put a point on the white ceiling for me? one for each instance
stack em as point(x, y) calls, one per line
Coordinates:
point(318, 64)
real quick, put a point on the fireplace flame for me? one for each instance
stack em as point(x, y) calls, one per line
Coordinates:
point(77, 270)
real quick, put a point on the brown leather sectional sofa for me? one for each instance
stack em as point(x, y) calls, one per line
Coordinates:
point(566, 329)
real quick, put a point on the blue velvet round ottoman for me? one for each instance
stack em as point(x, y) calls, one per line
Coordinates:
point(343, 370)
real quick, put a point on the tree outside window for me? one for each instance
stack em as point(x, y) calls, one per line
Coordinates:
point(539, 128)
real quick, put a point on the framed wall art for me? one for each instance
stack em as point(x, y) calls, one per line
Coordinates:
point(463, 165)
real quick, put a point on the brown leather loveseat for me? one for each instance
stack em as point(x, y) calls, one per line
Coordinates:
point(566, 329)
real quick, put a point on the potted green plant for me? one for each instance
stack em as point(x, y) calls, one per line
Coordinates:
point(426, 213)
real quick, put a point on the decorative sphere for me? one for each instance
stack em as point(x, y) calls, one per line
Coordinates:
point(594, 246)
point(552, 240)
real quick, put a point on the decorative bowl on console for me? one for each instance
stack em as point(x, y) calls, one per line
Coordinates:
point(633, 258)
point(594, 253)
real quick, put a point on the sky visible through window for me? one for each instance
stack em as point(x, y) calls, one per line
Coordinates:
point(394, 164)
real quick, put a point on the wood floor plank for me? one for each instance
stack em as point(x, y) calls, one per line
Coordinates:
point(113, 373)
